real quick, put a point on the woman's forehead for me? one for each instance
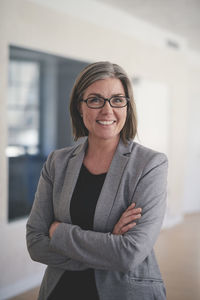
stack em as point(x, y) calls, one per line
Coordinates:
point(105, 87)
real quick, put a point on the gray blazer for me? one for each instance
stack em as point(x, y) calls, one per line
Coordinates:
point(125, 265)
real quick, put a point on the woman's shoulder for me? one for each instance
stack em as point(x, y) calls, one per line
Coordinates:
point(140, 149)
point(59, 158)
point(63, 152)
point(145, 156)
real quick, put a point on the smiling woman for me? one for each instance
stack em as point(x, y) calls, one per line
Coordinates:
point(105, 122)
point(86, 221)
point(102, 76)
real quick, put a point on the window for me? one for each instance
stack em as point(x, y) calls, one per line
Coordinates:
point(23, 115)
point(23, 108)
point(39, 86)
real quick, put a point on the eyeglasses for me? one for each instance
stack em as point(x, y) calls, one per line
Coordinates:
point(96, 102)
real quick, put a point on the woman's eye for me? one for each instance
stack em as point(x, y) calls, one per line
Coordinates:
point(94, 100)
point(117, 100)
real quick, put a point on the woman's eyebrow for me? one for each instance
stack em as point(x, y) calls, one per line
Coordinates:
point(99, 95)
point(95, 94)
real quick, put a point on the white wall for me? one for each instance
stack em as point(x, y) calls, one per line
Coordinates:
point(86, 35)
point(18, 272)
point(191, 198)
point(153, 109)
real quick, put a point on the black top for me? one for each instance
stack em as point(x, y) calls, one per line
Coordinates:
point(76, 285)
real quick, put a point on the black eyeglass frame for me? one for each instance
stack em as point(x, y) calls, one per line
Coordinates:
point(106, 99)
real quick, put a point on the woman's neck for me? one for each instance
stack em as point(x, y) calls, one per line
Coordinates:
point(99, 155)
point(103, 147)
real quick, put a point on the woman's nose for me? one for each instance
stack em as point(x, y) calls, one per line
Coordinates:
point(107, 107)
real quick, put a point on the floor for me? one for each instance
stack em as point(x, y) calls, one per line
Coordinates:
point(178, 254)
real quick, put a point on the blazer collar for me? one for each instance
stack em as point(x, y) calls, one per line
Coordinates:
point(121, 148)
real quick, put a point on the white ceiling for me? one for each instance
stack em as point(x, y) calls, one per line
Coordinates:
point(181, 17)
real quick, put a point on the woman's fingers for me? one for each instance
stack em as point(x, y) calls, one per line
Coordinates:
point(125, 223)
point(127, 228)
point(129, 219)
point(130, 206)
point(131, 212)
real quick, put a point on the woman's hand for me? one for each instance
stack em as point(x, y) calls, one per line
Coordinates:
point(125, 223)
point(53, 227)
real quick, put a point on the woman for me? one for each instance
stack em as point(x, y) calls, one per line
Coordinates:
point(86, 222)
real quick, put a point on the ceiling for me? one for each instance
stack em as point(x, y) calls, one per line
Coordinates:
point(181, 17)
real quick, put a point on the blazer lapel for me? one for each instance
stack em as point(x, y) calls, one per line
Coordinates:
point(111, 185)
point(71, 177)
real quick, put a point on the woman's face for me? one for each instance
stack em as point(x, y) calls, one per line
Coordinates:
point(106, 122)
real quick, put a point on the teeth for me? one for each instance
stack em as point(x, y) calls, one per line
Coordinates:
point(106, 122)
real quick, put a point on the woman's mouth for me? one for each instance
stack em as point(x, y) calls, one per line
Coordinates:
point(106, 122)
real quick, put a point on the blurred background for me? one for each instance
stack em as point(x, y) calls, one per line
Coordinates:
point(43, 46)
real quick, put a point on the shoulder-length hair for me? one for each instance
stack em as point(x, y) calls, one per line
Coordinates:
point(90, 74)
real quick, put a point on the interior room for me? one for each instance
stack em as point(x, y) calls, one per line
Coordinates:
point(43, 46)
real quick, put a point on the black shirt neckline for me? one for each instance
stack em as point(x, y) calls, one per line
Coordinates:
point(86, 169)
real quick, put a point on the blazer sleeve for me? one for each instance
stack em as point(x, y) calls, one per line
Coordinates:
point(121, 252)
point(39, 221)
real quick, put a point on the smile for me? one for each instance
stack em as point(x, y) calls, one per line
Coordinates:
point(106, 122)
